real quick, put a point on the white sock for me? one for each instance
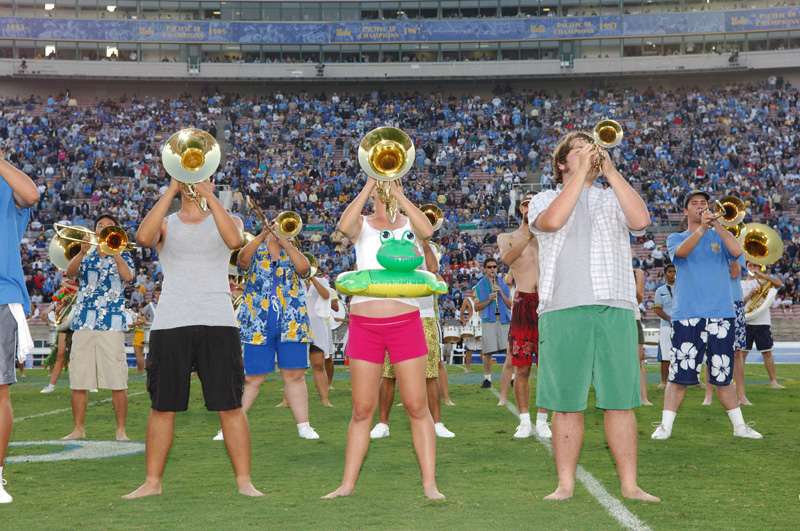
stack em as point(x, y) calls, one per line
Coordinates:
point(667, 419)
point(524, 418)
point(541, 418)
point(513, 376)
point(736, 416)
point(487, 377)
point(303, 425)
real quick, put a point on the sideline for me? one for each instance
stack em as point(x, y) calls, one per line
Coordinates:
point(613, 506)
point(95, 403)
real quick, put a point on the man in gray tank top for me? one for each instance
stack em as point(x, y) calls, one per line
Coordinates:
point(194, 326)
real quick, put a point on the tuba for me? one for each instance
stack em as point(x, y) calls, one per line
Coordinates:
point(386, 154)
point(762, 246)
point(607, 134)
point(190, 156)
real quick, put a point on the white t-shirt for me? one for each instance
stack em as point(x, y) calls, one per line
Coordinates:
point(748, 286)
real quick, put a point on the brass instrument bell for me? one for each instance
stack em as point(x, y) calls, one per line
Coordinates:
point(386, 154)
point(312, 267)
point(434, 215)
point(762, 244)
point(190, 156)
point(730, 210)
point(233, 263)
point(736, 230)
point(66, 243)
point(607, 134)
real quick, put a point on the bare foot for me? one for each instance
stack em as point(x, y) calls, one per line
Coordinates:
point(776, 385)
point(662, 385)
point(148, 489)
point(282, 404)
point(139, 372)
point(745, 402)
point(249, 490)
point(706, 402)
point(341, 491)
point(432, 493)
point(121, 436)
point(647, 403)
point(561, 493)
point(449, 403)
point(330, 388)
point(501, 403)
point(327, 404)
point(75, 435)
point(639, 494)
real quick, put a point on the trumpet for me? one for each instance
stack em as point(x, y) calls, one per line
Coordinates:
point(386, 154)
point(190, 156)
point(607, 134)
point(434, 215)
point(111, 241)
point(729, 210)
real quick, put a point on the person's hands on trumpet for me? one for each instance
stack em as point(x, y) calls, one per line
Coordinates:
point(587, 157)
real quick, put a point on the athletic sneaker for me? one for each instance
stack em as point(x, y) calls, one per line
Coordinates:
point(380, 431)
point(523, 431)
point(219, 436)
point(4, 496)
point(543, 430)
point(487, 384)
point(49, 388)
point(745, 430)
point(307, 432)
point(93, 390)
point(441, 431)
point(661, 432)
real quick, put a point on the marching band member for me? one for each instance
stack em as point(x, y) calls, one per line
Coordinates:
point(318, 295)
point(274, 321)
point(381, 324)
point(97, 358)
point(495, 306)
point(64, 300)
point(194, 327)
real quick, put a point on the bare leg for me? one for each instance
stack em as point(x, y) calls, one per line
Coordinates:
point(6, 420)
point(365, 380)
point(80, 400)
point(468, 358)
point(522, 388)
point(434, 399)
point(567, 442)
point(237, 441)
point(673, 396)
point(386, 399)
point(296, 392)
point(138, 351)
point(738, 376)
point(329, 370)
point(251, 385)
point(120, 400)
point(769, 364)
point(58, 366)
point(317, 359)
point(443, 385)
point(505, 379)
point(620, 428)
point(160, 430)
point(664, 374)
point(708, 387)
point(643, 377)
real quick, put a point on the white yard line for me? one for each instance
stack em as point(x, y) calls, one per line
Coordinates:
point(46, 413)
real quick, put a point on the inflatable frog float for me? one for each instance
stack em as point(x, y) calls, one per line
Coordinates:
point(400, 257)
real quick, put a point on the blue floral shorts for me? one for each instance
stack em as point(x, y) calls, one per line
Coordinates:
point(698, 341)
point(741, 327)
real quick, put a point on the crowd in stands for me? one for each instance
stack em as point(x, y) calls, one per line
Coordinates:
point(298, 151)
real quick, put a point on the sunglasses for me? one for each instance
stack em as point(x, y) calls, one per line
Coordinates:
point(491, 267)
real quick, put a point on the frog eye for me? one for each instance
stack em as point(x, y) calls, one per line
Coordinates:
point(386, 235)
point(409, 236)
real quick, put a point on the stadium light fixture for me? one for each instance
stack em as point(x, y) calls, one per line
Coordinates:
point(49, 7)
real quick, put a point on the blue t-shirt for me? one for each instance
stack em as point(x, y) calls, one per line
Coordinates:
point(100, 301)
point(12, 228)
point(736, 285)
point(702, 285)
point(664, 298)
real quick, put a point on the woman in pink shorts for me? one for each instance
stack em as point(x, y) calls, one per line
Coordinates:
point(378, 325)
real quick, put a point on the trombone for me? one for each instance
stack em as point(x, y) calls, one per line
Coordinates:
point(607, 134)
point(729, 210)
point(111, 241)
point(287, 225)
point(386, 154)
point(191, 156)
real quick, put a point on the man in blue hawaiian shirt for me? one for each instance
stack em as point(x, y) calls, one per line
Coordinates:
point(98, 357)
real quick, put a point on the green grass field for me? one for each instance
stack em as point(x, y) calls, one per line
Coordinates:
point(706, 478)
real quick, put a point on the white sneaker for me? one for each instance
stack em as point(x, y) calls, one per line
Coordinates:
point(49, 388)
point(523, 431)
point(745, 430)
point(4, 496)
point(661, 432)
point(441, 431)
point(307, 432)
point(219, 436)
point(93, 390)
point(543, 430)
point(380, 431)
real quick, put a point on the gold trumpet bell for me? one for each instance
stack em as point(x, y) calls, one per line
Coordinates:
point(434, 215)
point(288, 225)
point(762, 245)
point(114, 240)
point(233, 268)
point(607, 134)
point(191, 156)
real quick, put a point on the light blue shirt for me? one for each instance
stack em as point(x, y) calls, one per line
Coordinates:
point(12, 228)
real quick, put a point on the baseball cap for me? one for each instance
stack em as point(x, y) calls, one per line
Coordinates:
point(693, 193)
point(526, 197)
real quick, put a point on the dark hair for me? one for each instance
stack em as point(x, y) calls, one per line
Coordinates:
point(490, 259)
point(105, 215)
point(668, 266)
point(562, 150)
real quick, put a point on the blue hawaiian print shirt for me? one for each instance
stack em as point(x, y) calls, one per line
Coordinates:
point(289, 300)
point(100, 301)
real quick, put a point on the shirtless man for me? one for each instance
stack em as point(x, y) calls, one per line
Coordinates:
point(520, 251)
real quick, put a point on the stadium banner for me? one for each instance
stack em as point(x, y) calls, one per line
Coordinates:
point(573, 27)
point(377, 31)
point(762, 20)
point(456, 30)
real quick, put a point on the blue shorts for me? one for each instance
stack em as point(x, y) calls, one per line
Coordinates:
point(741, 334)
point(260, 359)
point(761, 335)
point(698, 341)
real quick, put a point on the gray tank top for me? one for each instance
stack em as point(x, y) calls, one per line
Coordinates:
point(194, 260)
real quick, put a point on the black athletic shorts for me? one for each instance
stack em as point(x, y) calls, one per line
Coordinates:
point(214, 351)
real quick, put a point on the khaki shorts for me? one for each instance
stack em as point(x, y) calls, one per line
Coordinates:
point(98, 360)
point(432, 337)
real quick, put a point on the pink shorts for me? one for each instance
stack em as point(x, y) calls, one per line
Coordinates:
point(371, 337)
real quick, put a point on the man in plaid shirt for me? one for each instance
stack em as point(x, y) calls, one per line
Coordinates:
point(587, 329)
